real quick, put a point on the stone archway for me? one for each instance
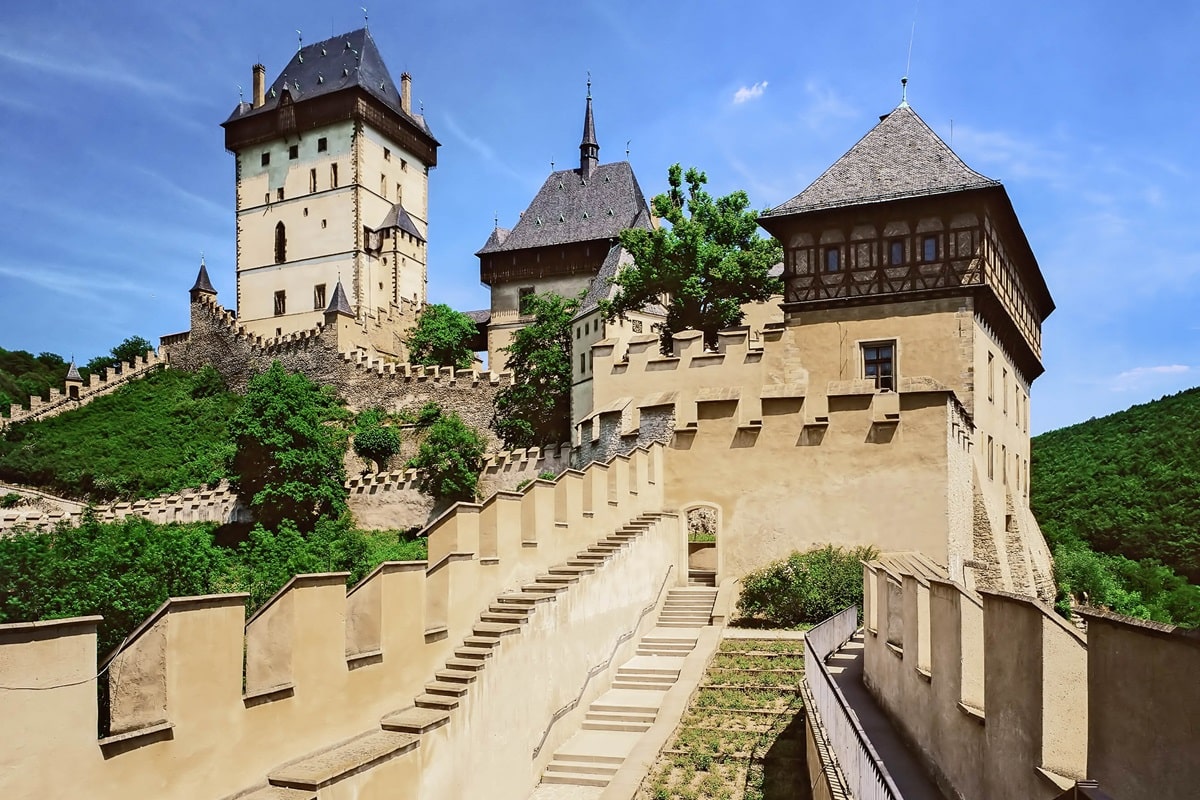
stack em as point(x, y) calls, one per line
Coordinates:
point(703, 522)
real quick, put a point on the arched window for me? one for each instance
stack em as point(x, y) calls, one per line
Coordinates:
point(280, 243)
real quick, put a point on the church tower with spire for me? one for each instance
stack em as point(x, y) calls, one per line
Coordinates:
point(332, 167)
point(565, 242)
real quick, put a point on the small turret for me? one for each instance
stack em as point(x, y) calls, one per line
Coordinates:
point(338, 304)
point(73, 381)
point(202, 285)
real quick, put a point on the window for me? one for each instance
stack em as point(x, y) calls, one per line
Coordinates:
point(267, 198)
point(387, 154)
point(879, 364)
point(991, 378)
point(991, 455)
point(306, 211)
point(403, 165)
point(319, 297)
point(578, 331)
point(399, 194)
point(1004, 464)
point(280, 250)
point(1004, 389)
point(279, 193)
point(294, 152)
point(383, 185)
point(266, 158)
point(312, 182)
point(636, 325)
point(523, 295)
point(322, 144)
point(832, 259)
point(280, 303)
point(323, 223)
point(333, 176)
point(929, 248)
point(896, 251)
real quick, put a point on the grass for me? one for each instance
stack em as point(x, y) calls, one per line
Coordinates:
point(741, 737)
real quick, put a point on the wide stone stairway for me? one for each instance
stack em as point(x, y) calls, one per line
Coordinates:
point(619, 717)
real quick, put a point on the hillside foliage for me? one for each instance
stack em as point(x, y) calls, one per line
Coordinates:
point(442, 338)
point(24, 375)
point(1118, 499)
point(165, 432)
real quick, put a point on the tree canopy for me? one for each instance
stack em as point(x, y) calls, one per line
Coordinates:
point(451, 456)
point(704, 266)
point(442, 337)
point(536, 408)
point(374, 439)
point(288, 449)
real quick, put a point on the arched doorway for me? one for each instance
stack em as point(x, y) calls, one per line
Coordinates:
point(703, 534)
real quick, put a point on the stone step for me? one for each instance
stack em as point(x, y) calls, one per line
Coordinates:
point(624, 727)
point(455, 675)
point(638, 702)
point(447, 688)
point(586, 767)
point(650, 651)
point(465, 664)
point(438, 701)
point(686, 604)
point(328, 766)
point(473, 652)
point(544, 588)
point(595, 715)
point(574, 778)
point(481, 641)
point(415, 720)
point(640, 685)
point(503, 616)
point(685, 612)
point(559, 579)
point(588, 557)
point(279, 793)
point(670, 624)
point(673, 638)
point(567, 569)
point(496, 628)
point(522, 600)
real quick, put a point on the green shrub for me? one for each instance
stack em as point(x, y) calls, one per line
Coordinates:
point(805, 588)
point(451, 457)
point(374, 440)
point(10, 500)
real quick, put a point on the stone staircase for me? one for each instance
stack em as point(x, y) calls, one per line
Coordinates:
point(400, 732)
point(620, 716)
point(702, 577)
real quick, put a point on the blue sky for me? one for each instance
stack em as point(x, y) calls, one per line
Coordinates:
point(114, 179)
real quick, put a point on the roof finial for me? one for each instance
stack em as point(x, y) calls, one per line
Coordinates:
point(496, 219)
point(904, 92)
point(552, 165)
point(202, 258)
point(241, 95)
point(589, 83)
point(299, 41)
point(627, 141)
point(366, 17)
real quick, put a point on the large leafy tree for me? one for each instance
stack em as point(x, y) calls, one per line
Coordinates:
point(704, 266)
point(536, 408)
point(288, 449)
point(442, 337)
point(374, 439)
point(451, 457)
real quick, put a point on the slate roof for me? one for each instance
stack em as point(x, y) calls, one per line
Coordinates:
point(340, 62)
point(601, 287)
point(203, 284)
point(399, 218)
point(570, 208)
point(73, 373)
point(481, 317)
point(900, 157)
point(338, 303)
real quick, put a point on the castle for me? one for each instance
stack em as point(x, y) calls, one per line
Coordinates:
point(885, 403)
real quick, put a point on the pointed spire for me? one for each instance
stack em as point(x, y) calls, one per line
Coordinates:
point(589, 148)
point(73, 373)
point(904, 92)
point(338, 304)
point(202, 285)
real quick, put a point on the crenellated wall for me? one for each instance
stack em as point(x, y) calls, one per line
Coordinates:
point(1003, 698)
point(62, 400)
point(219, 504)
point(797, 455)
point(206, 704)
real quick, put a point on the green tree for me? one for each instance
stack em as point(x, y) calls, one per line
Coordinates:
point(805, 588)
point(131, 349)
point(451, 457)
point(288, 449)
point(442, 337)
point(374, 440)
point(536, 408)
point(703, 267)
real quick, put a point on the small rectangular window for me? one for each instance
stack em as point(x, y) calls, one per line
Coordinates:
point(582, 363)
point(879, 364)
point(578, 331)
point(1004, 389)
point(523, 296)
point(294, 152)
point(266, 158)
point(1004, 464)
point(319, 297)
point(279, 193)
point(929, 246)
point(991, 376)
point(322, 144)
point(387, 154)
point(991, 459)
point(280, 303)
point(323, 223)
point(333, 176)
point(399, 194)
point(383, 186)
point(267, 197)
point(832, 259)
point(312, 179)
point(896, 251)
point(403, 165)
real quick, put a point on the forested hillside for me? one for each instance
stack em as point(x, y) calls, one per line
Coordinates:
point(24, 375)
point(1119, 501)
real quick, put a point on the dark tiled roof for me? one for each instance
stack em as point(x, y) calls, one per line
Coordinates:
point(495, 240)
point(73, 373)
point(481, 317)
point(338, 303)
point(601, 288)
point(900, 157)
point(399, 218)
point(341, 62)
point(569, 208)
point(203, 284)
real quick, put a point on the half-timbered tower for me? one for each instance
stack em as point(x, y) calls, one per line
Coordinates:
point(332, 170)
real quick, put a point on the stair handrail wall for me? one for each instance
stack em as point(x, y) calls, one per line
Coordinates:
point(862, 767)
point(198, 678)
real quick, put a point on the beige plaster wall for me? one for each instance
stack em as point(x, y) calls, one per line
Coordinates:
point(323, 665)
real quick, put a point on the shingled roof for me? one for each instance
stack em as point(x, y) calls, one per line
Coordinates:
point(399, 218)
point(900, 157)
point(340, 62)
point(571, 208)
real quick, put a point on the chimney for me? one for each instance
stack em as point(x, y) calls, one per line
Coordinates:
point(260, 85)
point(406, 93)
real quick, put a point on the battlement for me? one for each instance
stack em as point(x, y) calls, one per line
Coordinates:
point(1004, 698)
point(204, 700)
point(64, 399)
point(367, 362)
point(219, 504)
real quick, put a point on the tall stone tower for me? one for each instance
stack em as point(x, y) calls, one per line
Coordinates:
point(332, 171)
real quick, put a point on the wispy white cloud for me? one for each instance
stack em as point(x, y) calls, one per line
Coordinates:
point(824, 107)
point(749, 92)
point(1145, 377)
point(75, 283)
point(91, 68)
point(483, 150)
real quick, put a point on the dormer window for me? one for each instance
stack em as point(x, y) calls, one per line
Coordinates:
point(929, 248)
point(832, 259)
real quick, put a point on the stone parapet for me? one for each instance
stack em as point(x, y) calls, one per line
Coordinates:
point(63, 400)
point(219, 504)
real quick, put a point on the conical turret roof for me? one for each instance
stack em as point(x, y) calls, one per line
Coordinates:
point(73, 373)
point(203, 284)
point(338, 304)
